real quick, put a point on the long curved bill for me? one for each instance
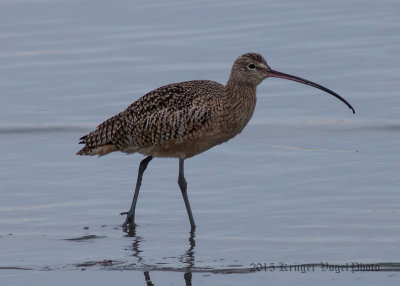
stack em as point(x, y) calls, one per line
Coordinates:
point(273, 73)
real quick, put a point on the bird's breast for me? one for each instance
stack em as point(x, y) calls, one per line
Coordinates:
point(239, 112)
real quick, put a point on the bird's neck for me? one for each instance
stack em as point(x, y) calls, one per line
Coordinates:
point(240, 101)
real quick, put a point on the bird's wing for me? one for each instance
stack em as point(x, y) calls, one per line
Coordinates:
point(166, 125)
point(171, 112)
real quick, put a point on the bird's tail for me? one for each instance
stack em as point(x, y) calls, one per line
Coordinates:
point(100, 150)
point(100, 141)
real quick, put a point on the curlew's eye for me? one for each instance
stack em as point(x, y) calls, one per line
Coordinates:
point(251, 66)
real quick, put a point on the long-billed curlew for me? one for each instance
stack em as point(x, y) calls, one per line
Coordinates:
point(183, 119)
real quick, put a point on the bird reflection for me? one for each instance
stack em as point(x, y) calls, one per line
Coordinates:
point(187, 276)
point(188, 258)
point(131, 232)
point(148, 280)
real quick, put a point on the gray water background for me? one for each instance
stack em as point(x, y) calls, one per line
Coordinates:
point(306, 182)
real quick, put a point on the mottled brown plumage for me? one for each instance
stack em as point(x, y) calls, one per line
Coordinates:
point(180, 119)
point(184, 119)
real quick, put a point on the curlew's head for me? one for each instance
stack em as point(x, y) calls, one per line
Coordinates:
point(252, 69)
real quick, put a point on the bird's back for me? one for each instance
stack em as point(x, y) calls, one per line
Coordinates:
point(165, 122)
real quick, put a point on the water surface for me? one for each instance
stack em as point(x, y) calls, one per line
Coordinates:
point(306, 182)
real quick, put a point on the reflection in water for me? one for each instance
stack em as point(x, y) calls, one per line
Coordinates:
point(187, 258)
point(187, 276)
point(131, 232)
point(148, 280)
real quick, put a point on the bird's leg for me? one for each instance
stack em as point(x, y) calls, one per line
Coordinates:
point(183, 185)
point(130, 218)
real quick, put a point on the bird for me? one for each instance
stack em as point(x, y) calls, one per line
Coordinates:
point(181, 120)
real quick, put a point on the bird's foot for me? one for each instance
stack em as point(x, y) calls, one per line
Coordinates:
point(129, 221)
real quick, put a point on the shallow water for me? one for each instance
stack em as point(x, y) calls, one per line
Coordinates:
point(306, 182)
